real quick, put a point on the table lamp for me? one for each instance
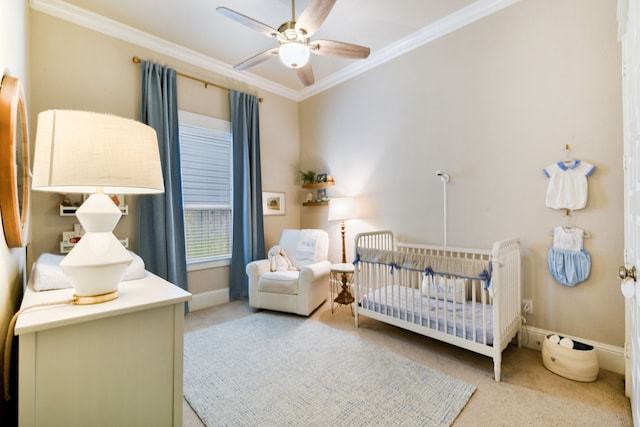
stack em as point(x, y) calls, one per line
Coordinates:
point(342, 209)
point(100, 154)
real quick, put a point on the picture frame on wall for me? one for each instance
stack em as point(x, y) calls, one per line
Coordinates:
point(273, 203)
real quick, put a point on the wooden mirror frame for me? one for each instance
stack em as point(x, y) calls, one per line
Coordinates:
point(15, 179)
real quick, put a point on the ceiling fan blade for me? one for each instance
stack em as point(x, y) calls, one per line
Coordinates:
point(305, 74)
point(340, 49)
point(313, 16)
point(257, 59)
point(249, 22)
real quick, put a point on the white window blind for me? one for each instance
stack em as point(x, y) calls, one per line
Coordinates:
point(205, 152)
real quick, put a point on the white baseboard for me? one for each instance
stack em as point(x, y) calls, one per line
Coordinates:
point(209, 299)
point(610, 357)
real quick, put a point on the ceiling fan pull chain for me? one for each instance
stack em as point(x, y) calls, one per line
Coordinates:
point(293, 10)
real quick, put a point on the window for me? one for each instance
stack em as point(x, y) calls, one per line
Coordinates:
point(205, 151)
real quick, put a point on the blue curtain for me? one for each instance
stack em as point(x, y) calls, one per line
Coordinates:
point(248, 227)
point(160, 217)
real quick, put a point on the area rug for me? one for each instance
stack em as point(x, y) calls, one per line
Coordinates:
point(271, 369)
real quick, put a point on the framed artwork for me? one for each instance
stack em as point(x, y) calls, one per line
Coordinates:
point(321, 177)
point(273, 203)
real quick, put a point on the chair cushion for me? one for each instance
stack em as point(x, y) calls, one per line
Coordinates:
point(280, 282)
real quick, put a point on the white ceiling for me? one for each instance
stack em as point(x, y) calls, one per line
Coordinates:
point(193, 31)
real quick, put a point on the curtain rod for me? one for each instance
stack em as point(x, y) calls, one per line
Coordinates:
point(206, 83)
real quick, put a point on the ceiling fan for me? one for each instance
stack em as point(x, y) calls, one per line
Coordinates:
point(293, 36)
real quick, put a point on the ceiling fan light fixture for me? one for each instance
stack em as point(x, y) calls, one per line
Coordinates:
point(294, 54)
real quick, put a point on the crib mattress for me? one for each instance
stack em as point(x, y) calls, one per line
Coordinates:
point(462, 319)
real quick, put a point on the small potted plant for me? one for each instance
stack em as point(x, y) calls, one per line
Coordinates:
point(307, 177)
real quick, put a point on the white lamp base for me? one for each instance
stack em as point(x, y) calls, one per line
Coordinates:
point(98, 261)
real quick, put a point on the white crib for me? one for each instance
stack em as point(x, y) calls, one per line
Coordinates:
point(466, 297)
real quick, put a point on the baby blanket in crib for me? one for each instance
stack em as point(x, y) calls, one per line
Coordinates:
point(568, 184)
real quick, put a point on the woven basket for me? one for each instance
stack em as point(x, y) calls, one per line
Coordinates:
point(579, 363)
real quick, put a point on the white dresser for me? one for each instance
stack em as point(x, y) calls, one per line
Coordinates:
point(117, 363)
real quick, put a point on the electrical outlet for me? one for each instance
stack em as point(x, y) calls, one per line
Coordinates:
point(527, 306)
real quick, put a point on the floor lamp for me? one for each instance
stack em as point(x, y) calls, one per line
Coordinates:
point(99, 154)
point(342, 209)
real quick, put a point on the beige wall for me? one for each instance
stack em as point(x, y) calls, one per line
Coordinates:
point(76, 68)
point(492, 105)
point(13, 61)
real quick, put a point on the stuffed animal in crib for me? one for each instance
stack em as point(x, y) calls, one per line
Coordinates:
point(279, 260)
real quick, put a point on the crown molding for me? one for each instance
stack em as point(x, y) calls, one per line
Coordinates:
point(459, 19)
point(93, 21)
point(450, 23)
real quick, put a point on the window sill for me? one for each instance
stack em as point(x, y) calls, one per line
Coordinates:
point(206, 265)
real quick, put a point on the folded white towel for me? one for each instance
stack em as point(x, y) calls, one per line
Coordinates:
point(48, 275)
point(566, 342)
point(554, 339)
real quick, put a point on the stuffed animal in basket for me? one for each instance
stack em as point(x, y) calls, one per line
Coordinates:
point(279, 260)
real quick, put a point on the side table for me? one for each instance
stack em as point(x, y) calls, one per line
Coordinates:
point(341, 277)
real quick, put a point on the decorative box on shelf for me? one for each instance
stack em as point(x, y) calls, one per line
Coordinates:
point(71, 210)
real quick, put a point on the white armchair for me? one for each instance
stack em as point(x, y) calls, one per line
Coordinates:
point(298, 291)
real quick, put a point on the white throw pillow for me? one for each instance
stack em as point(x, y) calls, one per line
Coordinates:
point(453, 289)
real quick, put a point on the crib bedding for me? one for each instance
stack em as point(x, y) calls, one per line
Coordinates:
point(462, 319)
point(470, 298)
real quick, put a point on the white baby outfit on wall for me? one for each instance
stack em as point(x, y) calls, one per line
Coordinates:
point(568, 238)
point(568, 184)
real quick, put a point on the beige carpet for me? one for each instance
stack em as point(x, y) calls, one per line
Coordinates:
point(270, 369)
point(529, 395)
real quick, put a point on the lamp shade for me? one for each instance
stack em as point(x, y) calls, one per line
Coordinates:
point(101, 154)
point(85, 152)
point(294, 54)
point(342, 208)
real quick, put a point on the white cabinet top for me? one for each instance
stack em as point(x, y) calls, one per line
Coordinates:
point(133, 295)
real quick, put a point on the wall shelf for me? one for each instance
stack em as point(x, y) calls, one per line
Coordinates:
point(71, 210)
point(65, 247)
point(316, 203)
point(319, 184)
point(321, 198)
